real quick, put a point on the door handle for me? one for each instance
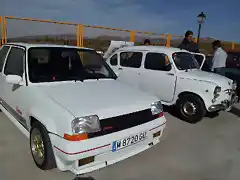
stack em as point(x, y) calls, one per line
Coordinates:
point(170, 74)
point(120, 68)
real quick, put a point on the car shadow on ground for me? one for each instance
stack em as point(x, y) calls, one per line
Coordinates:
point(172, 111)
point(235, 111)
point(84, 178)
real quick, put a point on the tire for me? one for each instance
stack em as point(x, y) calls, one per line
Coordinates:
point(196, 104)
point(46, 162)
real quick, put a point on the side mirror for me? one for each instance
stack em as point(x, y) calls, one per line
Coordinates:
point(168, 66)
point(13, 79)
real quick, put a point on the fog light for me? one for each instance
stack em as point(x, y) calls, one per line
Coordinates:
point(157, 134)
point(85, 161)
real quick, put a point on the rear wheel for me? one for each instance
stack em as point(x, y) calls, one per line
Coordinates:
point(190, 108)
point(41, 147)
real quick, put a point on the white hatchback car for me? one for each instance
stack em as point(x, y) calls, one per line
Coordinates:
point(174, 76)
point(77, 115)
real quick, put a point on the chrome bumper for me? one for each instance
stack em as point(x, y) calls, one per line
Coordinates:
point(225, 105)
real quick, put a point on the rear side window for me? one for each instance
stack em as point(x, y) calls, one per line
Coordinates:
point(131, 59)
point(15, 62)
point(156, 61)
point(3, 53)
point(113, 60)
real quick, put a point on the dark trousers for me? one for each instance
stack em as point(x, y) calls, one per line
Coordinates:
point(220, 71)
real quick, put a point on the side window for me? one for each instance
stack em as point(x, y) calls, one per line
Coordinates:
point(15, 62)
point(113, 60)
point(131, 59)
point(157, 61)
point(3, 53)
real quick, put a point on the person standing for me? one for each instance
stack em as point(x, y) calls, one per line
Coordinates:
point(147, 42)
point(188, 43)
point(219, 58)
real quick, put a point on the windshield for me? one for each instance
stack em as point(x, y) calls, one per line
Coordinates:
point(49, 64)
point(184, 61)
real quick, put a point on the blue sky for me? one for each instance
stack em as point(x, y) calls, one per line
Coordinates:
point(160, 16)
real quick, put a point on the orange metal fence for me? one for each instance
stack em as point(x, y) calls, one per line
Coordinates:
point(82, 34)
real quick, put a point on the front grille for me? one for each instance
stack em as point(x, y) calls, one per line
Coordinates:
point(122, 122)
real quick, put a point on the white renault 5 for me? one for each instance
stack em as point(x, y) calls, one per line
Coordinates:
point(173, 75)
point(77, 115)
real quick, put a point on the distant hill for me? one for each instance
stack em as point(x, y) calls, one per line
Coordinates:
point(102, 42)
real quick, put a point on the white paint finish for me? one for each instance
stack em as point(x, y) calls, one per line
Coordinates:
point(105, 154)
point(159, 83)
point(168, 86)
point(106, 98)
point(56, 104)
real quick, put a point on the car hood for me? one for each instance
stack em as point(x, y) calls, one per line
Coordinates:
point(207, 77)
point(106, 98)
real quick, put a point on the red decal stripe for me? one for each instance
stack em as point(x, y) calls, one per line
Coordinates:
point(157, 126)
point(82, 151)
point(18, 111)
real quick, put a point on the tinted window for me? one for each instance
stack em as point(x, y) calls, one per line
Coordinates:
point(3, 53)
point(48, 64)
point(113, 60)
point(15, 61)
point(131, 59)
point(157, 61)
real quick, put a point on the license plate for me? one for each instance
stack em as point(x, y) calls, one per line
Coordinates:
point(120, 144)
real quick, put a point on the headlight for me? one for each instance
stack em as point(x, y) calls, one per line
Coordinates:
point(217, 91)
point(234, 85)
point(156, 107)
point(87, 124)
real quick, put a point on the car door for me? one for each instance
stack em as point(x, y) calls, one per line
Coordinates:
point(3, 54)
point(158, 76)
point(13, 94)
point(129, 67)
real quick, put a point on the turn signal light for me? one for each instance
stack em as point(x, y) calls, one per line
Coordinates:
point(76, 137)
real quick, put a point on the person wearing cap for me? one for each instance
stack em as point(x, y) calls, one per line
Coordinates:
point(188, 43)
point(219, 58)
point(147, 42)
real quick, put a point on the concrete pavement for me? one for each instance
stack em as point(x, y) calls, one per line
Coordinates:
point(208, 150)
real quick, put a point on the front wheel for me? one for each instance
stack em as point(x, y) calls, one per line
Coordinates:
point(190, 108)
point(41, 147)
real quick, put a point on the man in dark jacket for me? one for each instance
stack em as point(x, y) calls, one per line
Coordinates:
point(188, 43)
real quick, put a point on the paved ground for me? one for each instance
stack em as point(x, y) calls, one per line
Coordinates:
point(209, 150)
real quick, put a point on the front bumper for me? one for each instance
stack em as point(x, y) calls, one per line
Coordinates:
point(225, 105)
point(68, 154)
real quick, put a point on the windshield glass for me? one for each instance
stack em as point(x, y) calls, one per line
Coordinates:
point(48, 64)
point(184, 60)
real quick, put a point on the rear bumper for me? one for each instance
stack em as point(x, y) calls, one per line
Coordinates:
point(68, 153)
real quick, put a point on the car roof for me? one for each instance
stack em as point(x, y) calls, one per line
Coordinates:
point(152, 48)
point(29, 45)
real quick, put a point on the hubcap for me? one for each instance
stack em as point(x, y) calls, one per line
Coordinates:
point(37, 146)
point(189, 108)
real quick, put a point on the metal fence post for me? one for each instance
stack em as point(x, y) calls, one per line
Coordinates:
point(132, 36)
point(233, 45)
point(4, 29)
point(168, 44)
